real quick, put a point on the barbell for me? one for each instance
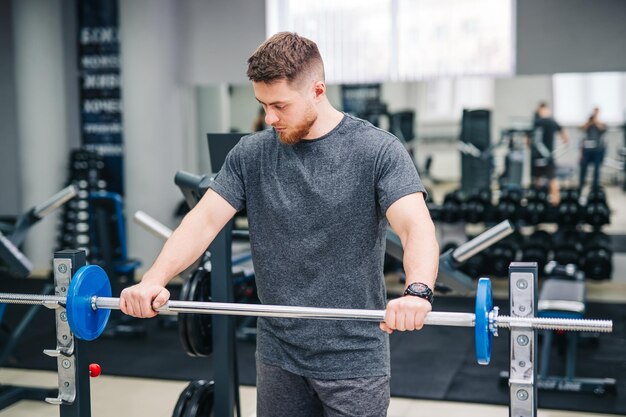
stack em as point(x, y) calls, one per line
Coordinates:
point(89, 303)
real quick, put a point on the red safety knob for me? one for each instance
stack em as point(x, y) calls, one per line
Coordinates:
point(94, 370)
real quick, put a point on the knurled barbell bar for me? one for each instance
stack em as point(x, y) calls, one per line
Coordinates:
point(89, 304)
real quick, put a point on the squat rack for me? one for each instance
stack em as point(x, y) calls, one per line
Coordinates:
point(74, 396)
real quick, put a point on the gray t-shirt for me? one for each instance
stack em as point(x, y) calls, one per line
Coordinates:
point(316, 212)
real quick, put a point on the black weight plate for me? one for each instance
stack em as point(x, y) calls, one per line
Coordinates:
point(201, 403)
point(192, 332)
point(199, 326)
point(184, 318)
point(205, 320)
point(184, 397)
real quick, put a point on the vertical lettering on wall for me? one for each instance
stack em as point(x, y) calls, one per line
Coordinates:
point(100, 90)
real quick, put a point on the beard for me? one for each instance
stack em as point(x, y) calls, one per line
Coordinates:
point(293, 135)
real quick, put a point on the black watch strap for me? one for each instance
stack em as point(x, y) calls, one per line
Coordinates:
point(421, 290)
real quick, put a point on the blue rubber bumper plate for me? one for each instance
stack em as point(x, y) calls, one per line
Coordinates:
point(85, 322)
point(482, 332)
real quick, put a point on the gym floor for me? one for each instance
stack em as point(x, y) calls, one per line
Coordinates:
point(117, 396)
point(121, 396)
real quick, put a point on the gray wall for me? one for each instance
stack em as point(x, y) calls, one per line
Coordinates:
point(213, 116)
point(12, 31)
point(515, 100)
point(243, 107)
point(170, 47)
point(9, 168)
point(40, 79)
point(570, 36)
point(154, 128)
point(72, 101)
point(217, 37)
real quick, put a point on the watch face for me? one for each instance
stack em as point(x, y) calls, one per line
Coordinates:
point(419, 287)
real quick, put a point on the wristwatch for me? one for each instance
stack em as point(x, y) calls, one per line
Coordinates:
point(421, 290)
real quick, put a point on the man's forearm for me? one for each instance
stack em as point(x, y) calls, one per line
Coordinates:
point(421, 256)
point(191, 238)
point(183, 248)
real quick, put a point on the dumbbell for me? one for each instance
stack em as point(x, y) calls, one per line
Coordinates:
point(477, 206)
point(537, 248)
point(451, 208)
point(500, 255)
point(569, 212)
point(509, 204)
point(537, 206)
point(568, 246)
point(597, 258)
point(568, 272)
point(597, 212)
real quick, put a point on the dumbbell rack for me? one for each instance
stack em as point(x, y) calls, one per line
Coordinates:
point(85, 170)
point(591, 251)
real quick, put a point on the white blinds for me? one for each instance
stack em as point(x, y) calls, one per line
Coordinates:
point(402, 40)
point(575, 96)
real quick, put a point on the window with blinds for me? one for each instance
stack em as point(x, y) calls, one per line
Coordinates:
point(402, 40)
point(576, 95)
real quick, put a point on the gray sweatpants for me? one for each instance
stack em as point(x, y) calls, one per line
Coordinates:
point(283, 394)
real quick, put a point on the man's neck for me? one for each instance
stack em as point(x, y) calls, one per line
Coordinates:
point(327, 119)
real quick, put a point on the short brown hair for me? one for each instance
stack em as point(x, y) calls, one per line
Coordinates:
point(287, 56)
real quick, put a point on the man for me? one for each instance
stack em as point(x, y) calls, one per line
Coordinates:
point(542, 160)
point(593, 149)
point(319, 189)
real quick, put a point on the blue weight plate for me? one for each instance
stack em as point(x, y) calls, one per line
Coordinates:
point(483, 335)
point(85, 322)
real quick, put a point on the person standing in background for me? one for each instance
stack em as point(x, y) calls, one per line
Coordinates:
point(593, 149)
point(542, 160)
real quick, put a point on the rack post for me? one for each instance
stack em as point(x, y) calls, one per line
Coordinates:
point(523, 352)
point(74, 397)
point(223, 326)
